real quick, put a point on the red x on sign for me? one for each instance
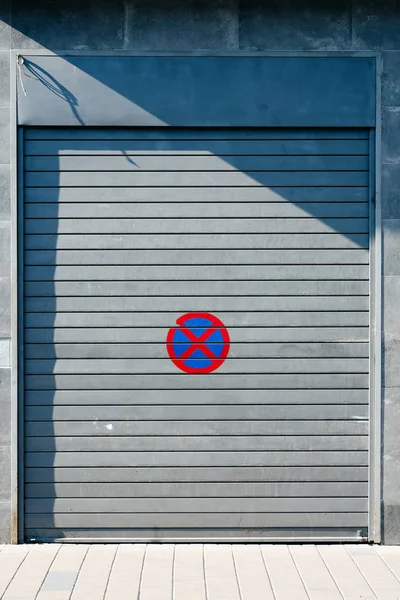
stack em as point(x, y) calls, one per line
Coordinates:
point(200, 344)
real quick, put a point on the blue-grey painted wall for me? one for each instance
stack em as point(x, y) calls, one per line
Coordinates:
point(220, 25)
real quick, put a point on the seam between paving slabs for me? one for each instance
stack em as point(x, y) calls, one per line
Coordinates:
point(298, 572)
point(173, 574)
point(13, 577)
point(330, 572)
point(236, 573)
point(141, 573)
point(388, 566)
point(109, 572)
point(267, 572)
point(79, 570)
point(361, 573)
point(204, 572)
point(47, 572)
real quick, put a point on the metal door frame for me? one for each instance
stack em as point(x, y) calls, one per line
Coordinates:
point(17, 266)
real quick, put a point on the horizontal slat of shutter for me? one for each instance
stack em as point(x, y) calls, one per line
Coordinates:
point(157, 335)
point(143, 397)
point(195, 505)
point(201, 520)
point(215, 381)
point(252, 412)
point(233, 319)
point(200, 474)
point(188, 133)
point(159, 162)
point(281, 194)
point(196, 459)
point(196, 490)
point(357, 287)
point(189, 428)
point(279, 366)
point(217, 146)
point(257, 350)
point(182, 305)
point(174, 210)
point(195, 443)
point(194, 226)
point(196, 241)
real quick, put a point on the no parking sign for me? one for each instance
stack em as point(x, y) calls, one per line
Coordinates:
point(200, 343)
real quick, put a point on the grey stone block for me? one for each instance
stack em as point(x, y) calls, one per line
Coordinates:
point(5, 192)
point(390, 134)
point(4, 78)
point(5, 20)
point(4, 135)
point(5, 411)
point(391, 525)
point(391, 359)
point(376, 24)
point(391, 246)
point(294, 25)
point(5, 255)
point(391, 332)
point(5, 473)
point(5, 522)
point(390, 191)
point(182, 25)
point(5, 307)
point(391, 79)
point(68, 24)
point(391, 445)
point(5, 382)
point(391, 466)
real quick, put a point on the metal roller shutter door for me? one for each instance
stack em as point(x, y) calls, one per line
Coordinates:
point(124, 231)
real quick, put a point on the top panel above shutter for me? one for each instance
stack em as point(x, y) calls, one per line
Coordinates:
point(200, 91)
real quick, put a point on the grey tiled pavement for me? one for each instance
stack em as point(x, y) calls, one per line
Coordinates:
point(199, 572)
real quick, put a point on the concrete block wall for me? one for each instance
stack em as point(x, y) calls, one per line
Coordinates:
point(221, 25)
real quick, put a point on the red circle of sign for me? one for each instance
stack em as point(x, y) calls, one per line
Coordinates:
point(216, 324)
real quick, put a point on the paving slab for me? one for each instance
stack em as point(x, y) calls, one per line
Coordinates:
point(124, 581)
point(251, 573)
point(391, 557)
point(61, 578)
point(285, 578)
point(220, 573)
point(156, 583)
point(11, 558)
point(91, 583)
point(188, 578)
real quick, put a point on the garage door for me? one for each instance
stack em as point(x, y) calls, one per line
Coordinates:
point(126, 231)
